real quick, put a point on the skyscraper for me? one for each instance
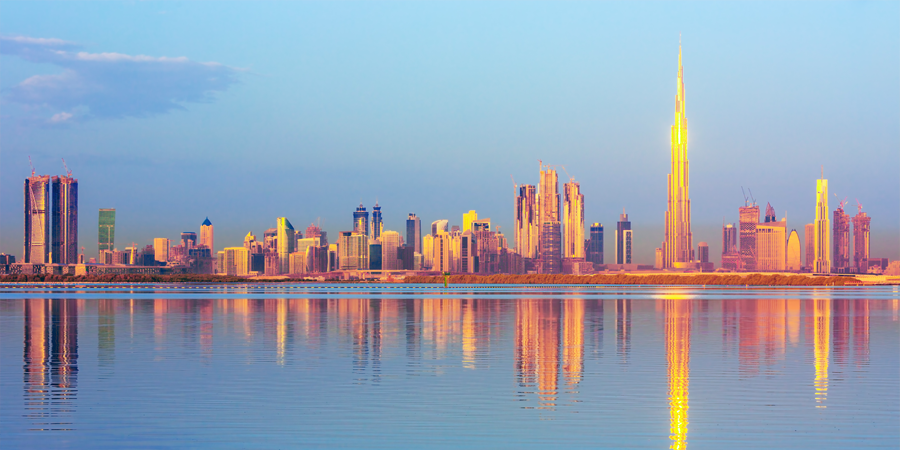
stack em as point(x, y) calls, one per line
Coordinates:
point(361, 220)
point(770, 243)
point(574, 211)
point(624, 237)
point(595, 247)
point(439, 225)
point(236, 261)
point(861, 225)
point(286, 241)
point(65, 220)
point(841, 248)
point(703, 252)
point(731, 257)
point(527, 226)
point(107, 229)
point(793, 253)
point(549, 246)
point(377, 224)
point(37, 220)
point(749, 220)
point(414, 232)
point(188, 240)
point(678, 244)
point(467, 220)
point(161, 250)
point(809, 237)
point(390, 243)
point(822, 261)
point(207, 237)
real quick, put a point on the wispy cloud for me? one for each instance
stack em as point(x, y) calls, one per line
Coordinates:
point(109, 85)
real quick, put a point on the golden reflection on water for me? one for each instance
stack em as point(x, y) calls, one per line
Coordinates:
point(678, 357)
point(549, 338)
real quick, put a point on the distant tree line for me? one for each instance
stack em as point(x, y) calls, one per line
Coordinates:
point(660, 279)
point(135, 278)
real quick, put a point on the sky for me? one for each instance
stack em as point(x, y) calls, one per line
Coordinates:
point(244, 112)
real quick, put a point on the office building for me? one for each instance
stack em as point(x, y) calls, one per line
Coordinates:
point(678, 245)
point(236, 261)
point(793, 263)
point(574, 219)
point(550, 243)
point(64, 248)
point(439, 225)
point(861, 226)
point(377, 224)
point(731, 256)
point(467, 220)
point(390, 245)
point(353, 251)
point(749, 220)
point(427, 251)
point(107, 229)
point(37, 220)
point(161, 250)
point(286, 241)
point(527, 226)
point(770, 243)
point(703, 252)
point(207, 235)
point(841, 240)
point(624, 239)
point(595, 244)
point(809, 237)
point(468, 252)
point(822, 249)
point(414, 232)
point(441, 252)
point(361, 220)
point(188, 240)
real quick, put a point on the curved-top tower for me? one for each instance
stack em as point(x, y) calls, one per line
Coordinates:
point(678, 244)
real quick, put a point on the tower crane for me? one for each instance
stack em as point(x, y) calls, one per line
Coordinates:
point(515, 186)
point(68, 172)
point(858, 206)
point(30, 164)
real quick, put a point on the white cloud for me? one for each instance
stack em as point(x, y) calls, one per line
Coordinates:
point(111, 85)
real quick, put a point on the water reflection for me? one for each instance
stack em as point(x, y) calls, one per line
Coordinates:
point(548, 340)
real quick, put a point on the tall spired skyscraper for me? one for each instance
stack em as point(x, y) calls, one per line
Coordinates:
point(822, 263)
point(678, 244)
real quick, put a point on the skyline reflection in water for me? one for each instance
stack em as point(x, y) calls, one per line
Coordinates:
point(547, 352)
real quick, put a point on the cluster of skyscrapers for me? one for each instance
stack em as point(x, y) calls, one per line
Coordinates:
point(549, 236)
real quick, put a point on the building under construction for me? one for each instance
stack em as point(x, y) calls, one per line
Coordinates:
point(840, 251)
point(861, 226)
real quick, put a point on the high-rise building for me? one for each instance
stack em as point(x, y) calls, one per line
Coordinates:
point(188, 240)
point(414, 232)
point(376, 253)
point(841, 244)
point(822, 261)
point(749, 220)
point(313, 231)
point(678, 243)
point(468, 252)
point(65, 220)
point(527, 223)
point(467, 220)
point(377, 224)
point(107, 229)
point(207, 235)
point(794, 263)
point(439, 225)
point(361, 220)
point(861, 225)
point(236, 261)
point(550, 243)
point(483, 224)
point(809, 237)
point(390, 243)
point(574, 217)
point(703, 252)
point(37, 220)
point(624, 239)
point(286, 241)
point(353, 251)
point(441, 252)
point(770, 243)
point(161, 250)
point(595, 244)
point(427, 251)
point(731, 257)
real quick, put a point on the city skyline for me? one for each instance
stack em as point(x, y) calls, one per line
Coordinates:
point(722, 163)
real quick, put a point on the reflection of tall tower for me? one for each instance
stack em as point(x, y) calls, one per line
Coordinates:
point(678, 243)
point(573, 341)
point(106, 332)
point(861, 332)
point(623, 328)
point(537, 347)
point(821, 346)
point(50, 359)
point(678, 350)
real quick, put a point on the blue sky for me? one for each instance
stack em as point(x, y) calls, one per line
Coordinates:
point(245, 112)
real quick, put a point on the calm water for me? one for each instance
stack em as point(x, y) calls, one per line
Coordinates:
point(116, 366)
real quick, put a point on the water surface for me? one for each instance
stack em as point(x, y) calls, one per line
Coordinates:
point(362, 366)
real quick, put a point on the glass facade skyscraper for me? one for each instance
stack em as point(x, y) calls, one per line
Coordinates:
point(107, 229)
point(595, 246)
point(361, 220)
point(377, 224)
point(65, 220)
point(414, 232)
point(37, 220)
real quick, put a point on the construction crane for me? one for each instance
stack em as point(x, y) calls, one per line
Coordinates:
point(841, 203)
point(68, 172)
point(858, 206)
point(571, 178)
point(515, 186)
point(30, 164)
point(748, 200)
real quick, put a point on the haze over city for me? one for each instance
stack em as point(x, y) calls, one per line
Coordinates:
point(245, 113)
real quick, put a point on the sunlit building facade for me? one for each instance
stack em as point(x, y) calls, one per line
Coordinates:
point(286, 241)
point(624, 240)
point(731, 255)
point(574, 217)
point(822, 249)
point(527, 226)
point(440, 225)
point(749, 220)
point(37, 220)
point(64, 249)
point(361, 220)
point(678, 243)
point(236, 261)
point(161, 250)
point(390, 244)
point(793, 263)
point(841, 240)
point(550, 244)
point(414, 232)
point(467, 220)
point(207, 235)
point(861, 225)
point(809, 248)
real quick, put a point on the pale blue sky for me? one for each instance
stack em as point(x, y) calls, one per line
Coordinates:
point(430, 107)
